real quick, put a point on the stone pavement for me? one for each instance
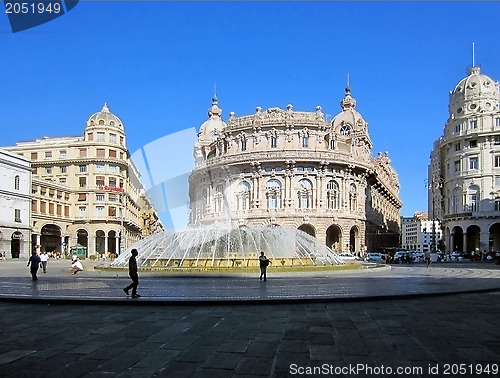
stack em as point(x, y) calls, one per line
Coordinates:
point(374, 323)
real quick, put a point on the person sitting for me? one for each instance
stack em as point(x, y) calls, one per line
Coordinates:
point(76, 266)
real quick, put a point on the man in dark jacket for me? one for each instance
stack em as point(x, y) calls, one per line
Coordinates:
point(132, 272)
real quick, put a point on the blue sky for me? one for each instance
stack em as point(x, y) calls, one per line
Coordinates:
point(155, 65)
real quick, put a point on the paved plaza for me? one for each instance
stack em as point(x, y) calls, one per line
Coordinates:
point(399, 320)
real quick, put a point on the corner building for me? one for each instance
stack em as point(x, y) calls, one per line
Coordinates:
point(291, 169)
point(85, 190)
point(464, 173)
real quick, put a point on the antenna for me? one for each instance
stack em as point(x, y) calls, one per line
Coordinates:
point(473, 55)
point(215, 90)
point(348, 79)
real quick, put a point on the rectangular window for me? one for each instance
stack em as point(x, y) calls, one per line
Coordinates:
point(101, 152)
point(82, 196)
point(497, 180)
point(100, 136)
point(112, 182)
point(66, 211)
point(83, 152)
point(305, 141)
point(473, 143)
point(48, 154)
point(62, 154)
point(473, 124)
point(99, 211)
point(274, 142)
point(48, 170)
point(83, 168)
point(34, 206)
point(457, 146)
point(17, 215)
point(497, 140)
point(99, 167)
point(112, 211)
point(51, 208)
point(114, 169)
point(112, 153)
point(90, 136)
point(43, 205)
point(83, 182)
point(457, 128)
point(473, 163)
point(99, 181)
point(243, 145)
point(34, 155)
point(497, 122)
point(59, 210)
point(82, 211)
point(497, 204)
point(99, 197)
point(62, 181)
point(121, 141)
point(497, 161)
point(112, 138)
point(63, 169)
point(112, 198)
point(457, 166)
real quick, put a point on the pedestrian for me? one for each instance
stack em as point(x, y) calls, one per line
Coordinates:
point(134, 275)
point(76, 266)
point(427, 258)
point(263, 262)
point(44, 259)
point(34, 260)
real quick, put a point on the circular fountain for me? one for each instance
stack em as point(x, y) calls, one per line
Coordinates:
point(217, 247)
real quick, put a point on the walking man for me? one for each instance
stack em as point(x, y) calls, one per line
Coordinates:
point(44, 259)
point(132, 272)
point(34, 260)
point(263, 262)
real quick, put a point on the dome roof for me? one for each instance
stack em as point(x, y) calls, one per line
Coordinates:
point(214, 124)
point(475, 93)
point(105, 118)
point(349, 117)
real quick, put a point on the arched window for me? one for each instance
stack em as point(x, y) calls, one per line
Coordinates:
point(353, 198)
point(17, 180)
point(345, 130)
point(243, 144)
point(273, 194)
point(333, 195)
point(305, 141)
point(305, 194)
point(243, 196)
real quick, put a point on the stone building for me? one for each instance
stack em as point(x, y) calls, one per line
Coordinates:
point(295, 169)
point(86, 191)
point(15, 174)
point(464, 170)
point(419, 233)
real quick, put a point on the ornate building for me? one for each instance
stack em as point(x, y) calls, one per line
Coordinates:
point(15, 172)
point(85, 191)
point(296, 170)
point(464, 173)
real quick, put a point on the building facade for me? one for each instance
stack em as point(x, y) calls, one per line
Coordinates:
point(295, 169)
point(419, 233)
point(464, 171)
point(15, 173)
point(86, 191)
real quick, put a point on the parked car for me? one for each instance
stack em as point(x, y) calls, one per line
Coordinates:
point(347, 256)
point(375, 257)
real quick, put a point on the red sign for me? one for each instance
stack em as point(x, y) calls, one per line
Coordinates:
point(111, 188)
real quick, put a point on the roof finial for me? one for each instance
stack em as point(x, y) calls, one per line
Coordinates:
point(348, 79)
point(215, 91)
point(473, 55)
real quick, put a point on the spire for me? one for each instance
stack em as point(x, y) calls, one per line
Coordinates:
point(348, 102)
point(214, 111)
point(473, 55)
point(105, 108)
